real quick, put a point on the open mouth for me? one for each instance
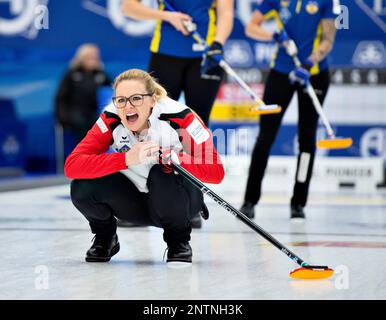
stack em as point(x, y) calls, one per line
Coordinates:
point(131, 117)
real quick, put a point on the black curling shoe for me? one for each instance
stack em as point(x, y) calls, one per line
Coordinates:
point(248, 209)
point(180, 253)
point(103, 248)
point(297, 213)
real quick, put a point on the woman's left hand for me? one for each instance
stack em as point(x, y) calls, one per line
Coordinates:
point(166, 158)
point(141, 152)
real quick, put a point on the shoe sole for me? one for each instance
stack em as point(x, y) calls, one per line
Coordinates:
point(298, 220)
point(114, 251)
point(178, 264)
point(248, 216)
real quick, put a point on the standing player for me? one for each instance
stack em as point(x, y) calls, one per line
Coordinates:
point(177, 61)
point(310, 26)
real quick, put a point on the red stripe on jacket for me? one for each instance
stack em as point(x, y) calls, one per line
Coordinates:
point(89, 159)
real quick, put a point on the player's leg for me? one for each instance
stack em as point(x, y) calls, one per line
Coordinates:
point(307, 128)
point(172, 202)
point(103, 199)
point(200, 93)
point(169, 72)
point(278, 90)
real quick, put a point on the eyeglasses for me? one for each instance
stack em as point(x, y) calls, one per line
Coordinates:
point(135, 100)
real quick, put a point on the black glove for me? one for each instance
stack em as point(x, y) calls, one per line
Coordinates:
point(204, 211)
point(210, 65)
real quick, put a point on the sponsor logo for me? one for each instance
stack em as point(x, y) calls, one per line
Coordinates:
point(373, 143)
point(198, 132)
point(370, 54)
point(25, 18)
point(125, 148)
point(358, 76)
point(264, 52)
point(11, 146)
point(351, 172)
point(124, 140)
point(214, 197)
point(238, 53)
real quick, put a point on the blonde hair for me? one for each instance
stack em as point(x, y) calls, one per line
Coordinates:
point(81, 53)
point(151, 84)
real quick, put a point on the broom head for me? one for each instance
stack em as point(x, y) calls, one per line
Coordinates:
point(335, 143)
point(312, 273)
point(266, 109)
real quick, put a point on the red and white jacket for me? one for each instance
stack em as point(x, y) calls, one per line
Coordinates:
point(171, 124)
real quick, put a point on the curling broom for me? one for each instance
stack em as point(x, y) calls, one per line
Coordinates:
point(305, 272)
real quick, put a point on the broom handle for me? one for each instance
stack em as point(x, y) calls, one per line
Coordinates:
point(205, 190)
point(311, 92)
point(241, 82)
point(223, 64)
point(318, 107)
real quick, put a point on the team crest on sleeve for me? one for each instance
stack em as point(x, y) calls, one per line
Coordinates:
point(284, 3)
point(312, 7)
point(198, 132)
point(102, 125)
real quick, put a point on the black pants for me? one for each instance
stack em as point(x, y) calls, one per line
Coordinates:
point(278, 90)
point(183, 74)
point(170, 203)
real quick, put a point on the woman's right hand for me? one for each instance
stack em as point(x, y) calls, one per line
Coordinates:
point(176, 19)
point(141, 152)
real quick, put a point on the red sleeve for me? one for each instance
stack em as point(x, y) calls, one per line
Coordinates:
point(200, 157)
point(89, 159)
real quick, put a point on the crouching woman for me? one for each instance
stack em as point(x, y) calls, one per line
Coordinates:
point(132, 184)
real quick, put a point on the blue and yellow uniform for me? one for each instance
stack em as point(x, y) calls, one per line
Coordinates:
point(302, 21)
point(167, 40)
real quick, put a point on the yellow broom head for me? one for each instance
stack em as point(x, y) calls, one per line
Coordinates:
point(335, 143)
point(266, 109)
point(312, 273)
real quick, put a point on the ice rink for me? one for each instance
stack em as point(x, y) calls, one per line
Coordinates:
point(44, 240)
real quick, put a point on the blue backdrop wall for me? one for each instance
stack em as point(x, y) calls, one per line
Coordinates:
point(39, 37)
